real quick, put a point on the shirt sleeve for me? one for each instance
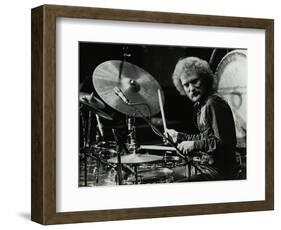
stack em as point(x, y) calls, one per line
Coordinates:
point(221, 132)
point(188, 137)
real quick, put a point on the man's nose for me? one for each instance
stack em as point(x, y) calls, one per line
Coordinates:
point(191, 87)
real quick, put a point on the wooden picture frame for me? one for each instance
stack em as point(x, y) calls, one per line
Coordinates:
point(43, 207)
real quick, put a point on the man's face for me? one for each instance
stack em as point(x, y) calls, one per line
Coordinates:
point(193, 87)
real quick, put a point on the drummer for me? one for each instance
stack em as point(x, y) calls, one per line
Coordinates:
point(216, 137)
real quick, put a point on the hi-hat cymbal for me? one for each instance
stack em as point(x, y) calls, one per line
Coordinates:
point(137, 85)
point(136, 159)
point(94, 104)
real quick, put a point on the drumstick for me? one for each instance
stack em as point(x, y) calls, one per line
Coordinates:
point(162, 110)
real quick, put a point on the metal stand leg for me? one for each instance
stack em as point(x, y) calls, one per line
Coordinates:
point(189, 171)
point(98, 171)
point(136, 173)
point(85, 170)
point(119, 167)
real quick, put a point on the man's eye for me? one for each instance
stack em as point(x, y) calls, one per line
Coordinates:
point(197, 83)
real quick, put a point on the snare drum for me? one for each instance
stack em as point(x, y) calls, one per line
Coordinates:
point(158, 175)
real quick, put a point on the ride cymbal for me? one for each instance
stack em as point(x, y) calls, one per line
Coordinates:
point(138, 86)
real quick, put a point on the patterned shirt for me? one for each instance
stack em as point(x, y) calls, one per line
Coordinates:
point(216, 135)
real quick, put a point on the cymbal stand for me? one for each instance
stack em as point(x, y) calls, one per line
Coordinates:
point(119, 145)
point(126, 54)
point(99, 130)
point(131, 135)
point(132, 143)
point(88, 141)
point(83, 124)
point(87, 145)
point(99, 137)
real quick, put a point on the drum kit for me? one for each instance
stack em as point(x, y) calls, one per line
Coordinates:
point(133, 92)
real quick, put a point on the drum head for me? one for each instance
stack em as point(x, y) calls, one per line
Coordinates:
point(231, 83)
point(158, 175)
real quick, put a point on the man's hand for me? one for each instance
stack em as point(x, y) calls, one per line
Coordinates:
point(172, 133)
point(186, 146)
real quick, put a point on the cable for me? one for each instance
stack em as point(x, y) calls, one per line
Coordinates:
point(155, 131)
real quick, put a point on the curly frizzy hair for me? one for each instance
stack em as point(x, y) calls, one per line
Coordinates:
point(192, 66)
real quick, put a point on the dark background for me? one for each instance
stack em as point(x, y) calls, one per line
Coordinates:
point(159, 61)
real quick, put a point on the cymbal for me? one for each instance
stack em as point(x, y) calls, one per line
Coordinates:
point(137, 85)
point(94, 104)
point(136, 159)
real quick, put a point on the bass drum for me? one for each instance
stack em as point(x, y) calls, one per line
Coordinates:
point(231, 84)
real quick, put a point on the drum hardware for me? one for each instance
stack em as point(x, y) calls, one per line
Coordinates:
point(165, 137)
point(99, 132)
point(130, 159)
point(136, 84)
point(135, 160)
point(155, 175)
point(88, 140)
point(125, 55)
point(94, 106)
point(92, 103)
point(83, 124)
point(87, 145)
point(132, 145)
point(170, 160)
point(138, 112)
point(99, 158)
point(120, 146)
point(104, 167)
point(99, 161)
point(188, 160)
point(132, 91)
point(114, 77)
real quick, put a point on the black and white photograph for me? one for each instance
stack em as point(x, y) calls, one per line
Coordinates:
point(145, 114)
point(154, 114)
point(135, 115)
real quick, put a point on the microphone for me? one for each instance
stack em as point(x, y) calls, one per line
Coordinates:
point(121, 95)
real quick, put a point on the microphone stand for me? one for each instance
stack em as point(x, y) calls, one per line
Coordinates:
point(125, 55)
point(118, 150)
point(118, 141)
point(120, 144)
